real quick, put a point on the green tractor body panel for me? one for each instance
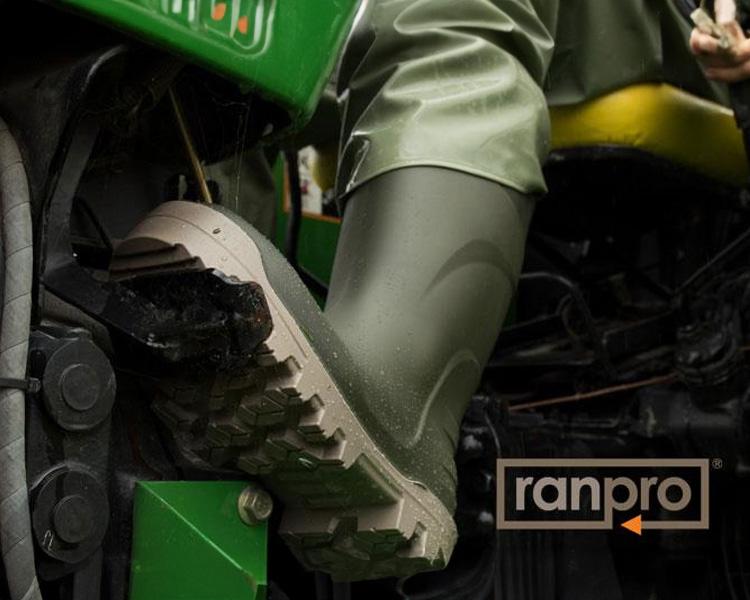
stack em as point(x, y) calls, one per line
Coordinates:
point(189, 543)
point(285, 51)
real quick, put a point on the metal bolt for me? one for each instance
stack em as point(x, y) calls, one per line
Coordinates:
point(72, 519)
point(79, 387)
point(255, 505)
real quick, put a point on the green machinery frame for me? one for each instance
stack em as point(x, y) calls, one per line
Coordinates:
point(283, 50)
point(189, 543)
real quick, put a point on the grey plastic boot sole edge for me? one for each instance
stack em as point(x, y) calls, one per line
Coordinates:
point(349, 511)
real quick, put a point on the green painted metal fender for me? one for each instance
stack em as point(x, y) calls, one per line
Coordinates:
point(283, 50)
point(189, 543)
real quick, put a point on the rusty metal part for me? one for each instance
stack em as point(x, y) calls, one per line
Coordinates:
point(187, 139)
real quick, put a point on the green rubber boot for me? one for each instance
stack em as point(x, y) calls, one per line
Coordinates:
point(352, 416)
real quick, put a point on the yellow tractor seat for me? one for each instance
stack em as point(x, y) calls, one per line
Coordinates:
point(661, 120)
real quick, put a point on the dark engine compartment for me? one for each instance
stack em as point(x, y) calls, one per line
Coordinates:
point(629, 340)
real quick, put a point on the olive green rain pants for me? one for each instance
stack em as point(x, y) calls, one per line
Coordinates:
point(445, 122)
point(465, 85)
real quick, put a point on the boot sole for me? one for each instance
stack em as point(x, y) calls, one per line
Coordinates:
point(349, 511)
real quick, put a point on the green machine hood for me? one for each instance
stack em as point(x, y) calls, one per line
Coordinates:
point(283, 49)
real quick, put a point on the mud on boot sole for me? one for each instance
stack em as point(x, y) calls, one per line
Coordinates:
point(349, 511)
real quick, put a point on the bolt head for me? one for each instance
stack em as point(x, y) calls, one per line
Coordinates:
point(254, 505)
point(79, 387)
point(72, 519)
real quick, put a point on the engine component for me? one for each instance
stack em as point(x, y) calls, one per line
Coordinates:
point(709, 360)
point(70, 515)
point(68, 421)
point(78, 383)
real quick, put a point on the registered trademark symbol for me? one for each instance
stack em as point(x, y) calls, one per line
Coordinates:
point(717, 463)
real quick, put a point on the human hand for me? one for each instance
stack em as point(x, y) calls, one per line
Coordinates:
point(730, 64)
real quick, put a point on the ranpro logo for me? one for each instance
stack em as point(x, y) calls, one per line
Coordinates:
point(599, 493)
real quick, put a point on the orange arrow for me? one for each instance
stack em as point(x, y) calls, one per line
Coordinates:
point(633, 525)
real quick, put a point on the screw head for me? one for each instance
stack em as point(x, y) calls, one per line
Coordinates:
point(254, 505)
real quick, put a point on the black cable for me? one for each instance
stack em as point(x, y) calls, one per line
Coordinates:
point(588, 319)
point(562, 263)
point(717, 262)
point(291, 241)
point(293, 224)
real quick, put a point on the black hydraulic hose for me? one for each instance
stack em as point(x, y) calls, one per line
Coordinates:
point(715, 264)
point(16, 542)
point(291, 241)
point(588, 319)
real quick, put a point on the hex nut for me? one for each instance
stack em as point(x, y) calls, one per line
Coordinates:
point(254, 505)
